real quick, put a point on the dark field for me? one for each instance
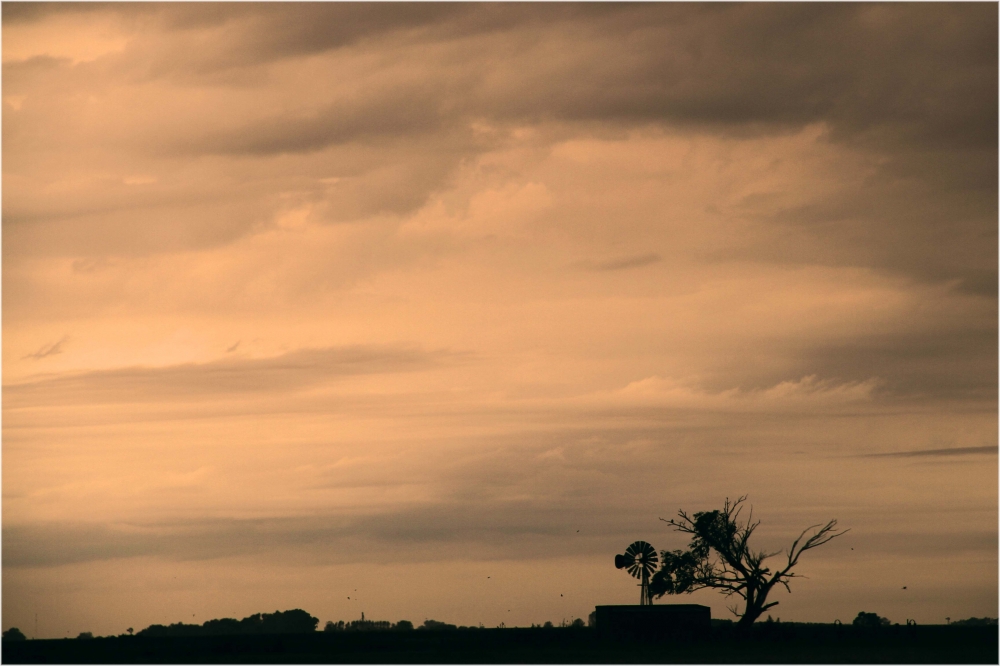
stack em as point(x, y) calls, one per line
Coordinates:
point(767, 643)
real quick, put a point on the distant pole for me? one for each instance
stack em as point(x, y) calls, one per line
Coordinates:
point(36, 625)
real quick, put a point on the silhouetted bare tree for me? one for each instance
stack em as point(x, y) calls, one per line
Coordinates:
point(719, 556)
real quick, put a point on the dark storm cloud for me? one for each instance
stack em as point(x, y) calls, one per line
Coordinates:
point(919, 360)
point(266, 32)
point(914, 85)
point(957, 451)
point(503, 500)
point(887, 73)
point(288, 372)
point(622, 263)
point(857, 66)
point(517, 530)
point(939, 364)
point(403, 113)
point(27, 12)
point(48, 349)
point(294, 27)
point(947, 233)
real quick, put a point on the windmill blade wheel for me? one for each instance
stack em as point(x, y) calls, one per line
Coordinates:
point(640, 560)
point(643, 558)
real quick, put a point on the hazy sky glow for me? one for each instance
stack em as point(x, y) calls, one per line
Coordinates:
point(300, 300)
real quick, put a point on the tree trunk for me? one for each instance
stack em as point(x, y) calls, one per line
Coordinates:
point(750, 616)
point(755, 606)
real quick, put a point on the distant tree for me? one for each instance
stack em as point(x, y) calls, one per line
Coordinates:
point(870, 620)
point(977, 622)
point(130, 630)
point(295, 621)
point(547, 625)
point(368, 625)
point(85, 635)
point(719, 556)
point(13, 634)
point(251, 624)
point(578, 623)
point(176, 629)
point(151, 630)
point(226, 626)
point(333, 626)
point(403, 625)
point(435, 625)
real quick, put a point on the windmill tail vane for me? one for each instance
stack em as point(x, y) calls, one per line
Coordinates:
point(640, 561)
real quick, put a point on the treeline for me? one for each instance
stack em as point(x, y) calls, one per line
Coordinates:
point(295, 621)
point(428, 625)
point(402, 625)
point(298, 621)
point(873, 620)
point(368, 625)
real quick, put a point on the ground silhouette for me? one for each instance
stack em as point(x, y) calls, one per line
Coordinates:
point(765, 642)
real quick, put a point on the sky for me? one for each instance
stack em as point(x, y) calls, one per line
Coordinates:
point(427, 311)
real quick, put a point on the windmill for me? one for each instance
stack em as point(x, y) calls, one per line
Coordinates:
point(640, 559)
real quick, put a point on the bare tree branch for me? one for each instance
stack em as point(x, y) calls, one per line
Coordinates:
point(735, 568)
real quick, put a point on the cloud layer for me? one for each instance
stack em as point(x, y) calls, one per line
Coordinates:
point(296, 283)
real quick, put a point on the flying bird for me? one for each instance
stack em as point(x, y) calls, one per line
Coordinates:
point(904, 587)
